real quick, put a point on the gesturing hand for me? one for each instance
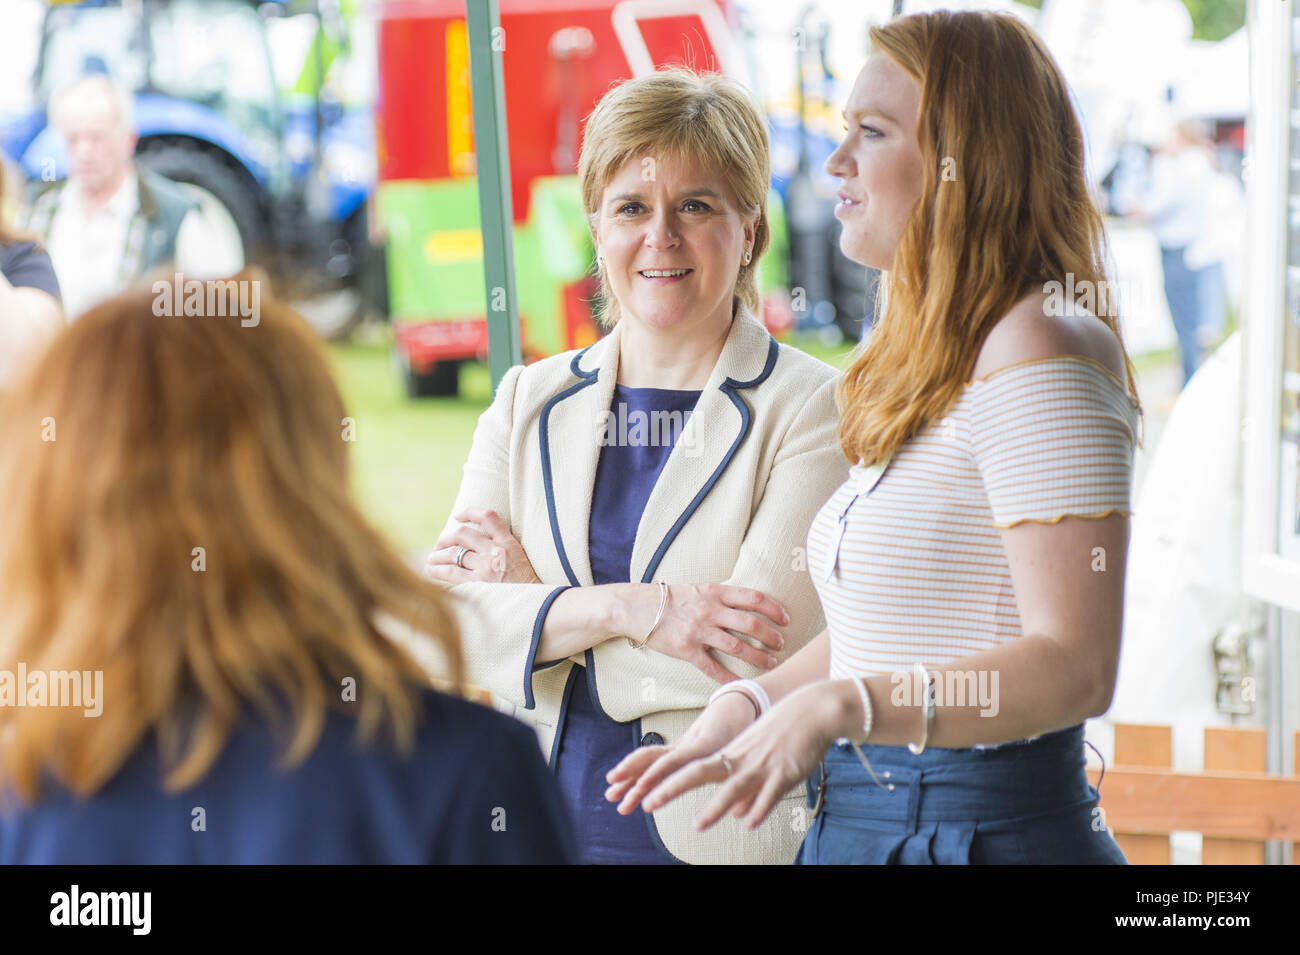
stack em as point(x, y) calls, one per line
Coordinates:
point(491, 552)
point(643, 768)
point(765, 761)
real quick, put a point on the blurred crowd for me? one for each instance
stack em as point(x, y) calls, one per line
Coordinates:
point(69, 244)
point(1195, 209)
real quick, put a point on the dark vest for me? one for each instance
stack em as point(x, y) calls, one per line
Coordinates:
point(151, 235)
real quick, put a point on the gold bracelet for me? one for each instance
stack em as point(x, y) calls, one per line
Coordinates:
point(659, 615)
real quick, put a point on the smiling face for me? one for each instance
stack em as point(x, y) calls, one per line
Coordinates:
point(673, 241)
point(879, 162)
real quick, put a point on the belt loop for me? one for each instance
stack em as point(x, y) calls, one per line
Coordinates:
point(914, 802)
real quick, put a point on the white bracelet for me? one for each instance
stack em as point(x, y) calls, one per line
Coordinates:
point(867, 716)
point(927, 710)
point(750, 688)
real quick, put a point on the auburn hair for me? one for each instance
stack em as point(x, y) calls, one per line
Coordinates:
point(177, 516)
point(1005, 209)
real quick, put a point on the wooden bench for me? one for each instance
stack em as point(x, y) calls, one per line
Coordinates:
point(1234, 803)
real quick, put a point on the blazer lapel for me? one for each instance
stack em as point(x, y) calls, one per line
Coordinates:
point(717, 427)
point(570, 429)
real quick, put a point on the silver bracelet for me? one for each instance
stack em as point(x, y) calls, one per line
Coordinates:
point(659, 615)
point(867, 715)
point(927, 709)
point(859, 684)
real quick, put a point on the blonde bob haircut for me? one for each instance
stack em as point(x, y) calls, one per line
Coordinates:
point(177, 517)
point(1005, 209)
point(703, 119)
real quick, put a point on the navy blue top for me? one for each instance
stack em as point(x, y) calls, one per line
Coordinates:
point(644, 425)
point(475, 789)
point(25, 264)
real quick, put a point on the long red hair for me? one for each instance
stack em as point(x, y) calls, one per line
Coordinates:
point(177, 516)
point(996, 111)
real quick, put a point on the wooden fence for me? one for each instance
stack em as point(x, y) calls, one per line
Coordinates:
point(1234, 803)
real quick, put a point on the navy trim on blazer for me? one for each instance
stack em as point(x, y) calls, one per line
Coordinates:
point(589, 378)
point(559, 720)
point(649, 816)
point(530, 662)
point(590, 657)
point(730, 386)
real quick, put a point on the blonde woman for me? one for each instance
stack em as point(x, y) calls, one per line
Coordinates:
point(183, 572)
point(629, 532)
point(972, 566)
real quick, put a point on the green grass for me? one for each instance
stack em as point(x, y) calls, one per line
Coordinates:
point(834, 355)
point(408, 453)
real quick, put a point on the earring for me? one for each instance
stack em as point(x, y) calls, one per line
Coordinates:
point(747, 254)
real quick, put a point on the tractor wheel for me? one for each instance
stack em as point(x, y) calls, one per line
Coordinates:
point(440, 381)
point(227, 199)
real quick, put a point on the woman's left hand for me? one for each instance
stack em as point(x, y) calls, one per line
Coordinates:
point(765, 761)
point(491, 552)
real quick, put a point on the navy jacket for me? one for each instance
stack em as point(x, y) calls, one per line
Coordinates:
point(474, 790)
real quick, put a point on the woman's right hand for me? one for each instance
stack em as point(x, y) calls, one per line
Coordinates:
point(698, 617)
point(642, 769)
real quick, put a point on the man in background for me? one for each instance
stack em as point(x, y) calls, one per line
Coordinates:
point(113, 221)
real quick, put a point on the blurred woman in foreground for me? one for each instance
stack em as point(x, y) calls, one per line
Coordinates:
point(183, 573)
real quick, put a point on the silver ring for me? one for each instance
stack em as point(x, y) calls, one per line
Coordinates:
point(460, 558)
point(726, 763)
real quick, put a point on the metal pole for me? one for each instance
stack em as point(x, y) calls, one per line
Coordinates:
point(492, 163)
point(1280, 664)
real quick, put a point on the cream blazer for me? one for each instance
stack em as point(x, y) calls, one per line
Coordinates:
point(755, 461)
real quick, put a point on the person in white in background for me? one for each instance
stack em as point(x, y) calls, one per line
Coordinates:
point(1178, 208)
point(112, 221)
point(1219, 253)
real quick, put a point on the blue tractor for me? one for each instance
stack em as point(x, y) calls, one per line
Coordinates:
point(286, 175)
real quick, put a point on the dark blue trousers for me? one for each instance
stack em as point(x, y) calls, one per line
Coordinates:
point(1023, 803)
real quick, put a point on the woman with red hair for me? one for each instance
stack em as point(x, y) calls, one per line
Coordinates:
point(183, 572)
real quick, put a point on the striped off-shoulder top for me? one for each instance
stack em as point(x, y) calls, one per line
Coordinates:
point(908, 559)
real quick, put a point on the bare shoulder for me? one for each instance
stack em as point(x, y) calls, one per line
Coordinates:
point(1032, 330)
